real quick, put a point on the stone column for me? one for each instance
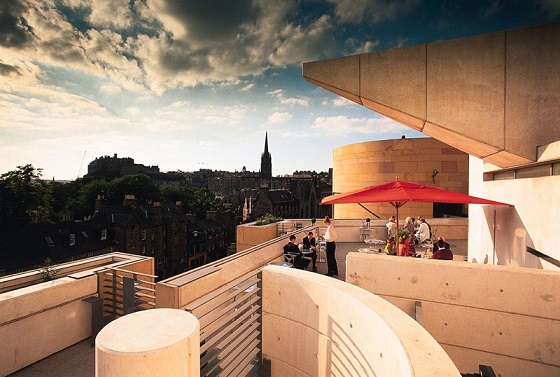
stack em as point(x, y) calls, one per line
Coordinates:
point(155, 342)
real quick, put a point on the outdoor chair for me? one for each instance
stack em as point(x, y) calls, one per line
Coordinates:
point(290, 258)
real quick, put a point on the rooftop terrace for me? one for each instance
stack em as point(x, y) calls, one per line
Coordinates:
point(513, 310)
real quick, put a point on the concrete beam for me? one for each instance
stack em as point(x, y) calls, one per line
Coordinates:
point(493, 96)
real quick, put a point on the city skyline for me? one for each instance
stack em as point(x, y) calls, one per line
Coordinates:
point(197, 85)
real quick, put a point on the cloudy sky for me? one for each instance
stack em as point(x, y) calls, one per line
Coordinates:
point(191, 84)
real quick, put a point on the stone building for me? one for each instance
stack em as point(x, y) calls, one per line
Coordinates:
point(28, 247)
point(424, 161)
point(113, 167)
point(277, 202)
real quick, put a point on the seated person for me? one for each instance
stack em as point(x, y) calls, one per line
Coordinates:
point(390, 248)
point(443, 251)
point(404, 247)
point(435, 248)
point(423, 231)
point(391, 226)
point(408, 224)
point(291, 248)
point(310, 244)
point(411, 240)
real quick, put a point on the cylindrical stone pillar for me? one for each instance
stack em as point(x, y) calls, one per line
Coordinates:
point(155, 342)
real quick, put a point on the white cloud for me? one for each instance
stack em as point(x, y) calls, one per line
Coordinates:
point(298, 43)
point(342, 102)
point(342, 125)
point(114, 13)
point(295, 101)
point(367, 47)
point(551, 7)
point(110, 89)
point(181, 44)
point(279, 94)
point(279, 117)
point(357, 11)
point(248, 87)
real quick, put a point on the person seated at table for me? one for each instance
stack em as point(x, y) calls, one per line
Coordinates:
point(390, 248)
point(423, 233)
point(404, 246)
point(291, 248)
point(411, 239)
point(443, 251)
point(310, 244)
point(408, 225)
point(391, 226)
point(435, 248)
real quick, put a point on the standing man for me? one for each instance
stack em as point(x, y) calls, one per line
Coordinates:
point(330, 237)
point(310, 244)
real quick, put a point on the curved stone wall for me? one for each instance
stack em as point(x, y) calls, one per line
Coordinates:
point(318, 326)
point(374, 162)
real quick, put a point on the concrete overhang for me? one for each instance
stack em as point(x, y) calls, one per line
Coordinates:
point(494, 96)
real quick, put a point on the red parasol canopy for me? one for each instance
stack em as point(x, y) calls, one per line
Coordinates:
point(397, 193)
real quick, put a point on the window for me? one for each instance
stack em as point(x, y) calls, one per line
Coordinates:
point(103, 234)
point(84, 234)
point(195, 262)
point(49, 241)
point(72, 239)
point(143, 234)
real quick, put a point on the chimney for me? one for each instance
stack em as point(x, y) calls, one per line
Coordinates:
point(129, 200)
point(211, 215)
point(100, 202)
point(158, 213)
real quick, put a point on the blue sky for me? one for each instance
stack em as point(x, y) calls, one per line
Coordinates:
point(196, 84)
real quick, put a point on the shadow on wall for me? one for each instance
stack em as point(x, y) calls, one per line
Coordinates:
point(511, 239)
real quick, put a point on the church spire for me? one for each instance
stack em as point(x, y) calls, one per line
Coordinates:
point(266, 143)
point(266, 162)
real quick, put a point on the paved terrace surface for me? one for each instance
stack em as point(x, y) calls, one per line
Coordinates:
point(79, 359)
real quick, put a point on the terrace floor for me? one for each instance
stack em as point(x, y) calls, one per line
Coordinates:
point(79, 359)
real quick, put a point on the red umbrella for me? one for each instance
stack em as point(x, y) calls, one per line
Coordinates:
point(397, 193)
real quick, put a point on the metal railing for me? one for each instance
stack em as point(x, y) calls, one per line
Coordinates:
point(230, 327)
point(124, 291)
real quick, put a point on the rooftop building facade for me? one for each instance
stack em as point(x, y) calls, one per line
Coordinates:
point(425, 161)
point(492, 96)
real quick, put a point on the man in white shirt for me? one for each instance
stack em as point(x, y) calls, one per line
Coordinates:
point(391, 227)
point(330, 236)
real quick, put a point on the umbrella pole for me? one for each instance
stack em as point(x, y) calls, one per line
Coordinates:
point(397, 232)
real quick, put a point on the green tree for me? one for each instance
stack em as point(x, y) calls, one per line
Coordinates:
point(139, 185)
point(62, 193)
point(195, 201)
point(24, 197)
point(83, 205)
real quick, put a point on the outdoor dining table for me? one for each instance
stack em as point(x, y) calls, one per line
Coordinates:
point(373, 241)
point(307, 253)
point(370, 250)
point(428, 250)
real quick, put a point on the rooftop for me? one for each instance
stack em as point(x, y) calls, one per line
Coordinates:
point(79, 359)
